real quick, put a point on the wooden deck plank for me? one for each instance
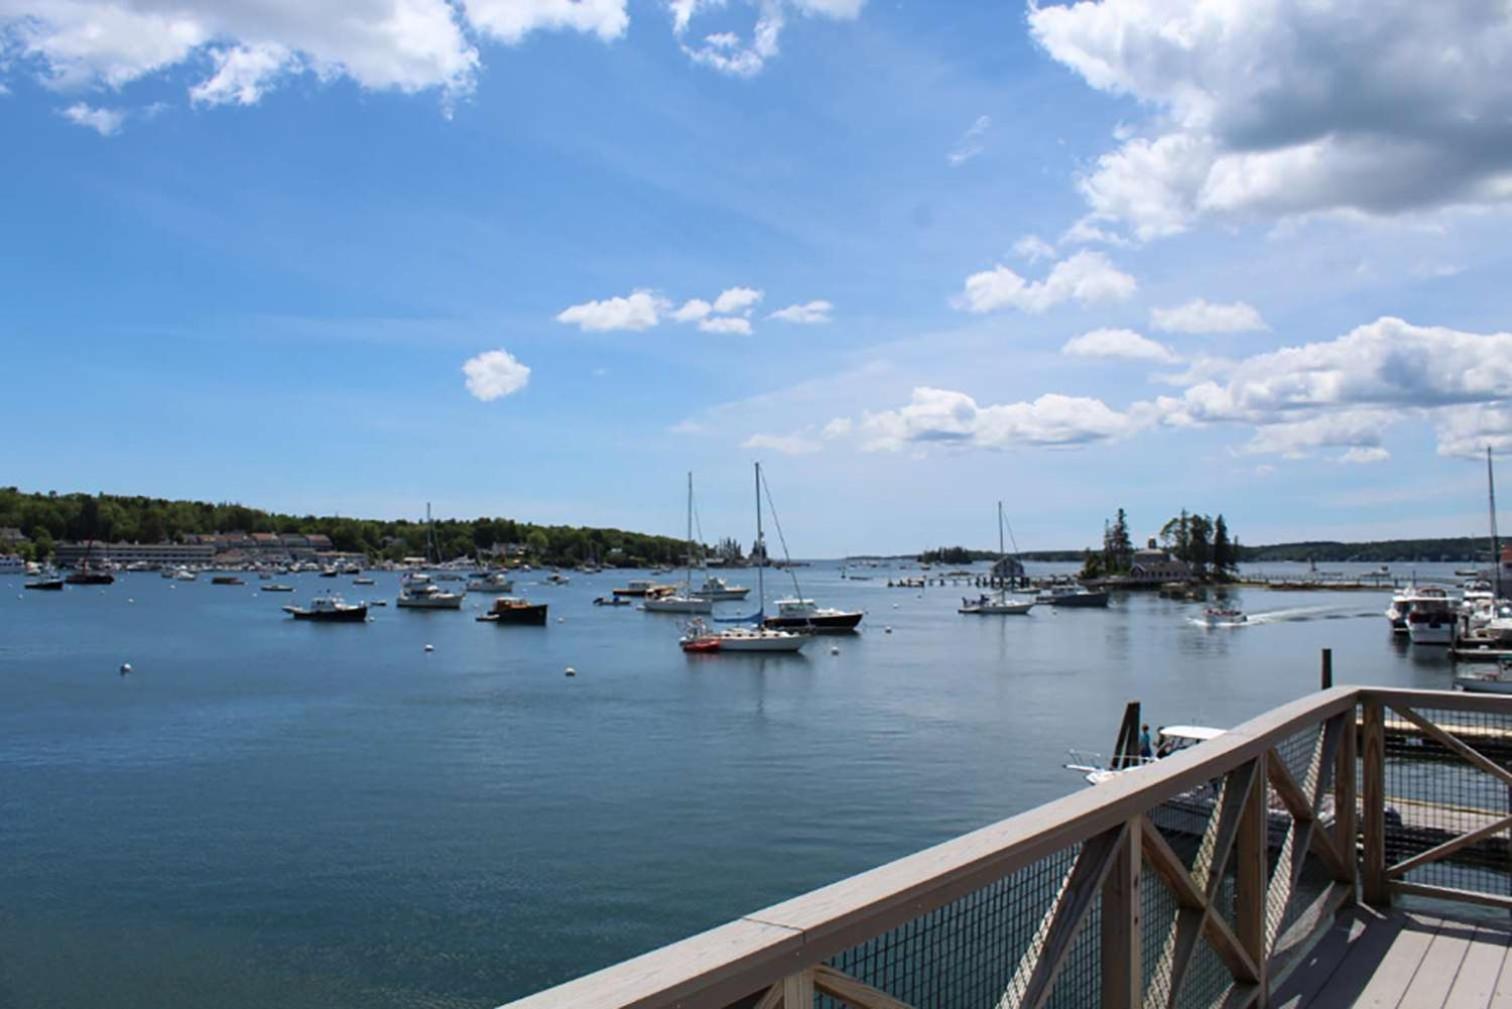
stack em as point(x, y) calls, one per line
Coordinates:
point(1501, 997)
point(1478, 973)
point(1439, 968)
point(1395, 970)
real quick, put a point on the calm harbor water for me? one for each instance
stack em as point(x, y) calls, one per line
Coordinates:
point(273, 812)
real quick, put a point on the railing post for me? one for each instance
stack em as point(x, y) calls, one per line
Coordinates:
point(1251, 847)
point(1346, 822)
point(798, 990)
point(1373, 785)
point(1326, 674)
point(1122, 963)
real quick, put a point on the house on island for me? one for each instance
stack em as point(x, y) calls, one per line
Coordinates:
point(1155, 567)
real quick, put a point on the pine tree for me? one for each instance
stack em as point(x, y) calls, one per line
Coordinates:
point(1223, 550)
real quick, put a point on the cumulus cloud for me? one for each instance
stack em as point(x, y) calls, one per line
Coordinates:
point(511, 20)
point(807, 314)
point(1348, 391)
point(1365, 455)
point(1086, 232)
point(241, 74)
point(787, 444)
point(1199, 316)
point(971, 143)
point(494, 374)
point(1291, 107)
point(404, 45)
point(1086, 277)
point(942, 416)
point(731, 54)
point(736, 299)
point(838, 428)
point(692, 310)
point(726, 324)
point(1033, 248)
point(637, 311)
point(105, 122)
point(1119, 343)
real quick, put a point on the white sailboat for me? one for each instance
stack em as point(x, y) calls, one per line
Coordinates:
point(417, 591)
point(683, 601)
point(747, 639)
point(1000, 603)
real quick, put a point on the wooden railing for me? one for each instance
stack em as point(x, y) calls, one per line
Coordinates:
point(1275, 838)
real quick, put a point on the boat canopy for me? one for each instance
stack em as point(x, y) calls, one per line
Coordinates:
point(1194, 733)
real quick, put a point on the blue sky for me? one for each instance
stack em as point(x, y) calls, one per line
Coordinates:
point(1145, 253)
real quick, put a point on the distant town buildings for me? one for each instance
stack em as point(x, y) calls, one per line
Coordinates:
point(208, 548)
point(10, 536)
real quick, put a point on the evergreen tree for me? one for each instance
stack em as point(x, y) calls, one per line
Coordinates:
point(1223, 550)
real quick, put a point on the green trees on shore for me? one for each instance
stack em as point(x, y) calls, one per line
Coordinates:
point(1201, 541)
point(47, 518)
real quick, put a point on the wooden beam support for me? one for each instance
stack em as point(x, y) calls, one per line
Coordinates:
point(1122, 927)
point(1045, 958)
point(772, 999)
point(1303, 810)
point(1345, 830)
point(1449, 893)
point(1448, 847)
point(1252, 845)
point(798, 990)
point(842, 987)
point(1373, 788)
point(1452, 743)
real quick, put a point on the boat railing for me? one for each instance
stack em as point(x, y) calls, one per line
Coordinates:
point(1108, 898)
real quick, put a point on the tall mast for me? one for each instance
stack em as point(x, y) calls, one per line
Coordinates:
point(688, 580)
point(1495, 548)
point(1002, 568)
point(760, 573)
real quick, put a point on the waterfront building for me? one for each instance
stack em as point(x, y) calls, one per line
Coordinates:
point(71, 554)
point(1157, 567)
point(10, 536)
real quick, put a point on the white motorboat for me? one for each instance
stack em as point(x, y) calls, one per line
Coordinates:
point(418, 592)
point(1486, 681)
point(329, 609)
point(183, 575)
point(1431, 617)
point(717, 588)
point(1215, 617)
point(12, 564)
point(494, 581)
point(676, 602)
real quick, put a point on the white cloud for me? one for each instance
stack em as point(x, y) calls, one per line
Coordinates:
point(787, 444)
point(736, 299)
point(638, 311)
point(494, 374)
point(971, 143)
point(1033, 248)
point(1346, 392)
point(727, 52)
point(510, 21)
point(404, 45)
point(726, 324)
point(1281, 108)
point(1086, 277)
point(1365, 455)
point(692, 310)
point(1118, 343)
point(942, 416)
point(807, 314)
point(241, 74)
point(837, 428)
point(1199, 316)
point(1086, 232)
point(105, 122)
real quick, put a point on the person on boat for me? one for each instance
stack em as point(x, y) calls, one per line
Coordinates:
point(1146, 751)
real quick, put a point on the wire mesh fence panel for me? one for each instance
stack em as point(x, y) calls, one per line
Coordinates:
point(1434, 795)
point(971, 951)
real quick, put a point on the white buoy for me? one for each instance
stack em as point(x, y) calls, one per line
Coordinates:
point(561, 620)
point(125, 668)
point(895, 605)
point(834, 649)
point(887, 630)
point(430, 648)
point(571, 671)
point(129, 599)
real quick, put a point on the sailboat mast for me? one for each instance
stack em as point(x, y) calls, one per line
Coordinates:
point(688, 579)
point(761, 565)
point(1495, 547)
point(1001, 567)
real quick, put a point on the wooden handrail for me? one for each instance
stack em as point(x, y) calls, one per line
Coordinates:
point(734, 960)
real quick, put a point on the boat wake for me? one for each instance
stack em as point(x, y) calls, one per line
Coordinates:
point(1295, 615)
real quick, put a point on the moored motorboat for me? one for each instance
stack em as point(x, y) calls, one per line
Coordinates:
point(90, 574)
point(676, 602)
point(493, 581)
point(636, 587)
point(53, 584)
point(364, 581)
point(226, 580)
point(1431, 622)
point(330, 609)
point(612, 601)
point(418, 592)
point(277, 587)
point(511, 610)
point(985, 605)
point(716, 588)
point(802, 614)
point(1486, 681)
point(1075, 596)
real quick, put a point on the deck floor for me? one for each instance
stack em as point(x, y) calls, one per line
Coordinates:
point(1405, 960)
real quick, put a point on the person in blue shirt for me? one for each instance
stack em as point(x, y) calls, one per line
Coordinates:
point(1146, 751)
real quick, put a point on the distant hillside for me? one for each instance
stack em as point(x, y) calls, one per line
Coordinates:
point(1456, 549)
